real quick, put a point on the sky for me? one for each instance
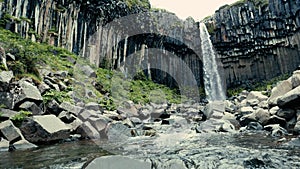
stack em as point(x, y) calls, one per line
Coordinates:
point(198, 9)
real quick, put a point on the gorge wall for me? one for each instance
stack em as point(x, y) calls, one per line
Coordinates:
point(256, 39)
point(86, 28)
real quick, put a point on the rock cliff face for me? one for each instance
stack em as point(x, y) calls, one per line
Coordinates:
point(257, 39)
point(86, 28)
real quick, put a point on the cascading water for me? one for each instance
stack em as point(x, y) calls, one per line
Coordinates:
point(212, 80)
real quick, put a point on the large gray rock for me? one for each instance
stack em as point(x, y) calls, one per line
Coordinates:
point(281, 89)
point(28, 92)
point(76, 110)
point(88, 71)
point(290, 99)
point(214, 109)
point(24, 145)
point(295, 79)
point(44, 129)
point(4, 144)
point(9, 131)
point(7, 99)
point(32, 107)
point(256, 95)
point(88, 131)
point(118, 162)
point(7, 114)
point(117, 131)
point(287, 114)
point(215, 125)
point(260, 115)
point(6, 77)
point(172, 164)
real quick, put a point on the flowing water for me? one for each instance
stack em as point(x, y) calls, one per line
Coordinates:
point(212, 81)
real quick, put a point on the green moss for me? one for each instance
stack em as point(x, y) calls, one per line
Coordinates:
point(59, 96)
point(18, 118)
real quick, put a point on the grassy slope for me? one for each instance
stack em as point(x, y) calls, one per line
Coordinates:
point(30, 57)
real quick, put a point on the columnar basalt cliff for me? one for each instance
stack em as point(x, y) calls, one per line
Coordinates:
point(257, 39)
point(86, 28)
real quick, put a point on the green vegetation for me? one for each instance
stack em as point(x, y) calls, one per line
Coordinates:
point(141, 3)
point(265, 86)
point(30, 56)
point(18, 118)
point(59, 96)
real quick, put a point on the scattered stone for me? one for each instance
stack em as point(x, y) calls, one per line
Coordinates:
point(88, 71)
point(290, 99)
point(254, 126)
point(32, 107)
point(256, 95)
point(93, 106)
point(9, 131)
point(53, 107)
point(118, 162)
point(86, 130)
point(29, 92)
point(274, 110)
point(24, 145)
point(276, 130)
point(246, 110)
point(6, 77)
point(7, 114)
point(215, 125)
point(277, 120)
point(43, 87)
point(253, 102)
point(66, 117)
point(278, 91)
point(216, 109)
point(287, 114)
point(44, 128)
point(76, 110)
point(7, 99)
point(4, 144)
point(117, 131)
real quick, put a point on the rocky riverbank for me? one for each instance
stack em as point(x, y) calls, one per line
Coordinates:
point(164, 135)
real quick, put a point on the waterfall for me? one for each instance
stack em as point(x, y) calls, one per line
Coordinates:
point(212, 80)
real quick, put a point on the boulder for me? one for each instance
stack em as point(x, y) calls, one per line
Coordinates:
point(117, 131)
point(4, 144)
point(76, 110)
point(24, 145)
point(99, 123)
point(295, 79)
point(290, 99)
point(39, 129)
point(93, 106)
point(214, 109)
point(7, 114)
point(118, 162)
point(88, 71)
point(28, 92)
point(287, 114)
point(246, 110)
point(43, 87)
point(296, 129)
point(128, 109)
point(6, 77)
point(256, 95)
point(254, 126)
point(276, 130)
point(53, 107)
point(276, 120)
point(88, 131)
point(253, 102)
point(32, 107)
point(7, 99)
point(281, 89)
point(262, 116)
point(66, 117)
point(9, 131)
point(215, 125)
